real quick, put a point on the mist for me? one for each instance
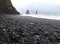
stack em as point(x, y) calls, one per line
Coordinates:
point(42, 6)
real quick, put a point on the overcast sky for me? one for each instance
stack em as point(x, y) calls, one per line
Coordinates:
point(51, 6)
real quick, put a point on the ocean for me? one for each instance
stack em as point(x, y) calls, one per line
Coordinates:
point(46, 16)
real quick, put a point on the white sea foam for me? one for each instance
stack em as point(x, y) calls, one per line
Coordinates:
point(46, 16)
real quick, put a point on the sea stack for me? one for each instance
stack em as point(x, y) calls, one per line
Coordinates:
point(27, 12)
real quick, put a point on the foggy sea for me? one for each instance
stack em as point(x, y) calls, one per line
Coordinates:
point(46, 16)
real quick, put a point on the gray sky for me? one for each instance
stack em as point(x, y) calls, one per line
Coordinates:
point(43, 6)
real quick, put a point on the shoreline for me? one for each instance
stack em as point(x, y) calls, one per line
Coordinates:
point(53, 17)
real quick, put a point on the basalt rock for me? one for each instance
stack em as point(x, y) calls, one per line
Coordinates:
point(6, 7)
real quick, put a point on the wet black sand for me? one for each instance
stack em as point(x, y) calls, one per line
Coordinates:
point(15, 29)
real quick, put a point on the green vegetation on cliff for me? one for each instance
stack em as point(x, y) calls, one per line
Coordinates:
point(7, 8)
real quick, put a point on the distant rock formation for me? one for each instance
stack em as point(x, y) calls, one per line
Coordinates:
point(36, 12)
point(7, 8)
point(27, 12)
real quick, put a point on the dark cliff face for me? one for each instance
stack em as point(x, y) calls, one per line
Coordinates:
point(7, 8)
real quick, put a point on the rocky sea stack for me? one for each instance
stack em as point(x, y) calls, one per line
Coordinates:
point(6, 7)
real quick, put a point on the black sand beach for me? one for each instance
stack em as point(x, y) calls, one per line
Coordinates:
point(16, 29)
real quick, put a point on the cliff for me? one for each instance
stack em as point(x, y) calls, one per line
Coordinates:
point(7, 8)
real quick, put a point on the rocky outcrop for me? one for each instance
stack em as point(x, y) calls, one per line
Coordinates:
point(7, 8)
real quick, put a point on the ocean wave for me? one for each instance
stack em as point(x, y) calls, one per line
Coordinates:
point(46, 16)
